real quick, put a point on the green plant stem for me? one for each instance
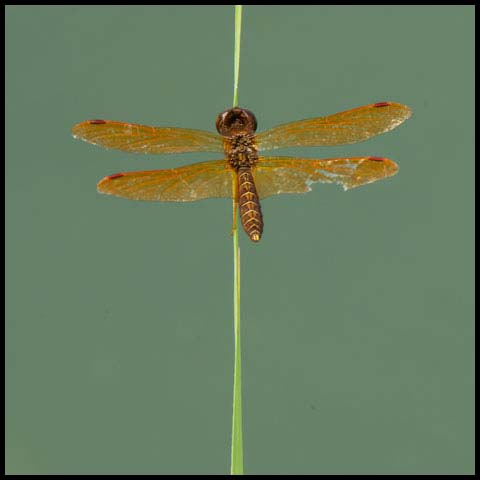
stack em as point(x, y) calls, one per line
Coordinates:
point(237, 440)
point(236, 57)
point(237, 437)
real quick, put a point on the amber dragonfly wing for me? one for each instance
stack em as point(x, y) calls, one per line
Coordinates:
point(277, 175)
point(212, 179)
point(341, 128)
point(130, 137)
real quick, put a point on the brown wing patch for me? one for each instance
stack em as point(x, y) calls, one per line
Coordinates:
point(341, 128)
point(277, 175)
point(184, 184)
point(130, 137)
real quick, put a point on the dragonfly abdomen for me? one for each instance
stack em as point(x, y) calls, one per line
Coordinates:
point(250, 210)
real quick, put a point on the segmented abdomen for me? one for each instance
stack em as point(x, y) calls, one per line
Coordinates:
point(250, 211)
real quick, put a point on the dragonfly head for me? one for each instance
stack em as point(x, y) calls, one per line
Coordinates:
point(236, 121)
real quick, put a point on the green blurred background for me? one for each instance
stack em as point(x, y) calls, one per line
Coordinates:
point(357, 307)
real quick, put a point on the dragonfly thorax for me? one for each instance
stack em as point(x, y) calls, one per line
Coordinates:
point(241, 151)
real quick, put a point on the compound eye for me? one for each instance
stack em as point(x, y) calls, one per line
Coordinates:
point(236, 121)
point(220, 122)
point(251, 120)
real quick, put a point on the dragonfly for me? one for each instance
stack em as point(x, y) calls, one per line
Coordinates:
point(244, 174)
